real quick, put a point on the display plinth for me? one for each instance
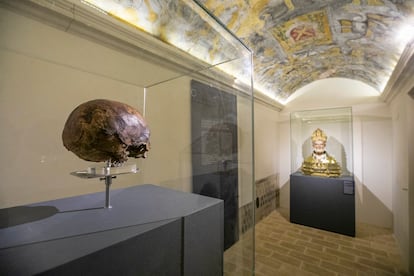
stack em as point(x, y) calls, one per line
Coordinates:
point(324, 203)
point(149, 231)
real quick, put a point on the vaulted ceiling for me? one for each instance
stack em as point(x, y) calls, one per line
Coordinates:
point(294, 42)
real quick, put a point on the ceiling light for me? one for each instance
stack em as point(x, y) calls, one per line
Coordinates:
point(405, 35)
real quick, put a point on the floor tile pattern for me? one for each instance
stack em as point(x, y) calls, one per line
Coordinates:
point(284, 248)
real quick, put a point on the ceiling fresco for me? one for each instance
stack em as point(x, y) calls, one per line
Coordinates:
point(294, 42)
point(185, 25)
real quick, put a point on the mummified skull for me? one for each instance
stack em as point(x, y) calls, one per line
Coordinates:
point(103, 130)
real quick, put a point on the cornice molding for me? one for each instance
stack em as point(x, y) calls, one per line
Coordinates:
point(401, 80)
point(261, 99)
point(82, 20)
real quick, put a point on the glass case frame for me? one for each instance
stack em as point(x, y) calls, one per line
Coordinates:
point(336, 123)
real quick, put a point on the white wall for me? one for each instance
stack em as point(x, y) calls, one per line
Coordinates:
point(402, 113)
point(372, 164)
point(266, 141)
point(168, 114)
point(245, 155)
point(284, 162)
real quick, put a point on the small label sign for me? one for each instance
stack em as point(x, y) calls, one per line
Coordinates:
point(348, 187)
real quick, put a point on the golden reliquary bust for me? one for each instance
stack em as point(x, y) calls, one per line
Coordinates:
point(320, 163)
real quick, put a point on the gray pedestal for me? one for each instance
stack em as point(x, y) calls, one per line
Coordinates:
point(324, 203)
point(149, 231)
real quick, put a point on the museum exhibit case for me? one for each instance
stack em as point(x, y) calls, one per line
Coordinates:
point(129, 142)
point(322, 186)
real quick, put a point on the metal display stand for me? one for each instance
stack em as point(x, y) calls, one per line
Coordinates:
point(107, 173)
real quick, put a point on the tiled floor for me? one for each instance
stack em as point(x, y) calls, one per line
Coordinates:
point(283, 248)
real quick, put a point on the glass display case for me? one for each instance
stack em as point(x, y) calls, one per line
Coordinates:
point(336, 131)
point(322, 186)
point(188, 76)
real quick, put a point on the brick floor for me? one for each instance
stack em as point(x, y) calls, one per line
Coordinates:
point(284, 248)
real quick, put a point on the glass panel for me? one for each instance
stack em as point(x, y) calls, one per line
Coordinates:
point(200, 118)
point(336, 123)
point(201, 142)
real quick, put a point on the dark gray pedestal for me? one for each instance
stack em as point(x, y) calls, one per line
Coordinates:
point(149, 231)
point(324, 203)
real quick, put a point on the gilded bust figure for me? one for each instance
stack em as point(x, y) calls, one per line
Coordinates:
point(320, 163)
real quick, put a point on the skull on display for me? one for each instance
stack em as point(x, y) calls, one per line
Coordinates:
point(103, 130)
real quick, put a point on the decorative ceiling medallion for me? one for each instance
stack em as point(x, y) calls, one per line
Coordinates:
point(303, 31)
